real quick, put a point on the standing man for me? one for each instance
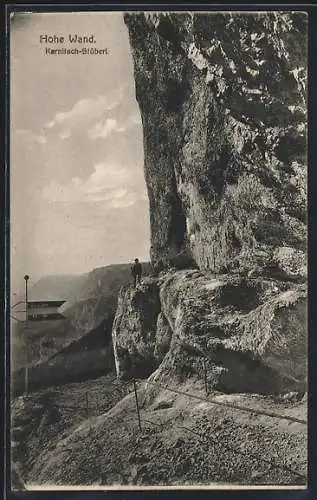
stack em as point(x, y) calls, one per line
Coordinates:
point(136, 271)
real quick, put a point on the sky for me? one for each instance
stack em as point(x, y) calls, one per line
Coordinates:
point(78, 194)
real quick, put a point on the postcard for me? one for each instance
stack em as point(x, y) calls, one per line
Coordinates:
point(158, 250)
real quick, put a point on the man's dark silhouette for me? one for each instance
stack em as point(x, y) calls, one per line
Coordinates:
point(136, 271)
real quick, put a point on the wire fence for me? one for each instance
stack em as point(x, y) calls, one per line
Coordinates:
point(211, 440)
point(230, 405)
point(87, 409)
point(208, 439)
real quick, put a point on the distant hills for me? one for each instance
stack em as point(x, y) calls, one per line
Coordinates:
point(99, 281)
point(96, 298)
point(57, 287)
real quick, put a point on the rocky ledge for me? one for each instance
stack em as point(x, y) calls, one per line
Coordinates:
point(242, 335)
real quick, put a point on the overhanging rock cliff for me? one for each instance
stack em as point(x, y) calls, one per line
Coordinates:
point(222, 100)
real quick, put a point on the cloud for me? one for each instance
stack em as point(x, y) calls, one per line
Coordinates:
point(85, 113)
point(108, 183)
point(97, 117)
point(65, 134)
point(110, 125)
point(125, 201)
point(102, 130)
point(31, 136)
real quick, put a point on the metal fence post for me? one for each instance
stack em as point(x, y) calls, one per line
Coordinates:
point(137, 403)
point(87, 406)
point(26, 369)
point(205, 377)
point(87, 412)
point(214, 258)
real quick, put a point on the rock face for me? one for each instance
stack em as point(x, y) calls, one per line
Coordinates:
point(250, 333)
point(134, 330)
point(244, 335)
point(222, 99)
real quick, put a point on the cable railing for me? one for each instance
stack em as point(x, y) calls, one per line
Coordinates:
point(230, 405)
point(209, 439)
point(88, 410)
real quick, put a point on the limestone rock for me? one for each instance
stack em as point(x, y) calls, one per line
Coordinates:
point(163, 337)
point(252, 333)
point(292, 263)
point(223, 104)
point(248, 333)
point(134, 329)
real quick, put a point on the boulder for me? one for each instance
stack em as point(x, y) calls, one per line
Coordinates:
point(134, 329)
point(241, 334)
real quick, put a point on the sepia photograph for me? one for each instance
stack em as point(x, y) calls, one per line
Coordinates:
point(158, 250)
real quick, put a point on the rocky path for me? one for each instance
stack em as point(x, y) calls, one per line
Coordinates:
point(42, 418)
point(181, 442)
